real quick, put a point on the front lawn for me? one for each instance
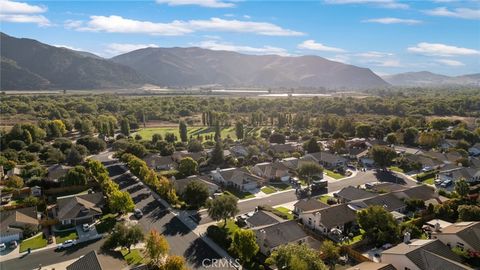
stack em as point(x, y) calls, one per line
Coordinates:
point(64, 236)
point(429, 181)
point(107, 222)
point(239, 194)
point(268, 190)
point(334, 175)
point(134, 257)
point(281, 186)
point(33, 243)
point(324, 198)
point(396, 169)
point(285, 211)
point(231, 226)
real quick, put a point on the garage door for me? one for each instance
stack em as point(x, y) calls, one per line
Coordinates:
point(9, 238)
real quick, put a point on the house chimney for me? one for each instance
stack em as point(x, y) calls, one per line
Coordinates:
point(406, 237)
point(437, 227)
point(262, 236)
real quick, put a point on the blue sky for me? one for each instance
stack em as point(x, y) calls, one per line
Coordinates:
point(387, 36)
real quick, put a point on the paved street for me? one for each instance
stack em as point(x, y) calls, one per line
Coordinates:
point(182, 240)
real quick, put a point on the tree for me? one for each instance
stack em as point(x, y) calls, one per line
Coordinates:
point(93, 144)
point(244, 244)
point(312, 146)
point(74, 157)
point(196, 194)
point(182, 129)
point(223, 207)
point(330, 252)
point(277, 138)
point(14, 181)
point(363, 130)
point(194, 146)
point(156, 246)
point(77, 175)
point(239, 130)
point(136, 149)
point(134, 236)
point(296, 257)
point(379, 225)
point(308, 170)
point(121, 202)
point(217, 157)
point(392, 138)
point(383, 155)
point(124, 236)
point(218, 132)
point(156, 138)
point(429, 139)
point(462, 188)
point(469, 213)
point(174, 263)
point(339, 145)
point(31, 201)
point(187, 167)
point(410, 135)
point(170, 137)
point(125, 127)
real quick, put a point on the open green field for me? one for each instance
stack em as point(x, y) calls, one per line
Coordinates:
point(147, 133)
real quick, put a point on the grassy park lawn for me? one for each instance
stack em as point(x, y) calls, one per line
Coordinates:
point(268, 190)
point(107, 222)
point(147, 133)
point(134, 257)
point(286, 211)
point(395, 169)
point(64, 236)
point(239, 194)
point(33, 243)
point(324, 198)
point(334, 175)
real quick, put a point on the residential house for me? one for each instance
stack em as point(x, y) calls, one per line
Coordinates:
point(403, 150)
point(328, 160)
point(273, 236)
point(158, 162)
point(88, 261)
point(446, 144)
point(197, 156)
point(14, 171)
point(79, 209)
point(13, 223)
point(457, 173)
point(420, 192)
point(307, 205)
point(239, 151)
point(279, 148)
point(388, 200)
point(422, 255)
point(56, 172)
point(474, 150)
point(181, 184)
point(350, 193)
point(464, 235)
point(427, 162)
point(36, 191)
point(372, 266)
point(261, 219)
point(447, 158)
point(238, 178)
point(327, 219)
point(272, 171)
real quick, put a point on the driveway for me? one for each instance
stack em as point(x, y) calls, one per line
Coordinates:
point(87, 235)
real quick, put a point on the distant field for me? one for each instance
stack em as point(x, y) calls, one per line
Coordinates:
point(147, 133)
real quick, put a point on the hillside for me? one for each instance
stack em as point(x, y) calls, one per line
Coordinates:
point(425, 78)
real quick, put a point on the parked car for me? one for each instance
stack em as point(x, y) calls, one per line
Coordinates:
point(67, 244)
point(13, 244)
point(3, 246)
point(446, 183)
point(86, 227)
point(138, 213)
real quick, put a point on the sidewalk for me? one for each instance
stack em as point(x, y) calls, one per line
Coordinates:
point(16, 252)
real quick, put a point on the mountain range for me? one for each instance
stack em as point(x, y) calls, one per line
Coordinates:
point(425, 78)
point(27, 64)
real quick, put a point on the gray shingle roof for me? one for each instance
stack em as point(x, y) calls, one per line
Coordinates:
point(352, 193)
point(310, 205)
point(282, 233)
point(263, 218)
point(80, 206)
point(88, 261)
point(181, 184)
point(337, 215)
point(469, 232)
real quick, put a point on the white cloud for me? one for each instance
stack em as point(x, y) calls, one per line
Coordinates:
point(312, 45)
point(390, 20)
point(220, 46)
point(247, 17)
point(68, 47)
point(120, 48)
point(11, 7)
point(118, 24)
point(388, 63)
point(462, 13)
point(374, 54)
point(441, 49)
point(23, 18)
point(73, 24)
point(342, 58)
point(18, 12)
point(449, 62)
point(392, 4)
point(203, 3)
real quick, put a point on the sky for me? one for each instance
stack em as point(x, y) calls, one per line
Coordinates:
point(387, 36)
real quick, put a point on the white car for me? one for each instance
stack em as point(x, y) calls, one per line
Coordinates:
point(67, 244)
point(86, 227)
point(3, 246)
